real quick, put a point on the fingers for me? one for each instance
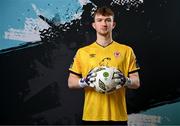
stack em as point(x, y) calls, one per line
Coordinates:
point(91, 78)
point(118, 86)
point(117, 80)
point(91, 75)
point(91, 85)
point(118, 73)
point(90, 81)
point(119, 77)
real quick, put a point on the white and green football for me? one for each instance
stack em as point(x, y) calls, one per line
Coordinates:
point(105, 81)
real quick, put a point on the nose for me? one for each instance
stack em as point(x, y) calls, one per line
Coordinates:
point(104, 23)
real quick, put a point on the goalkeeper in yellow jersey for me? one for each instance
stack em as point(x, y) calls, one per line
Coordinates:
point(102, 108)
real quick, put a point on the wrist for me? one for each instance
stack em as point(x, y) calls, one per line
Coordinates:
point(128, 82)
point(82, 83)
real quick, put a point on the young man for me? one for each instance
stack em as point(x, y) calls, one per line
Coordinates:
point(104, 108)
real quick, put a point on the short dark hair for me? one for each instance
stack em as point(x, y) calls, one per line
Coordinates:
point(105, 11)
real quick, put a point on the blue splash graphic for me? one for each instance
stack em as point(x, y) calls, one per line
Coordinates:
point(20, 24)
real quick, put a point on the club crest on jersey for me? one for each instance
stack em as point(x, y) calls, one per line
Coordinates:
point(117, 54)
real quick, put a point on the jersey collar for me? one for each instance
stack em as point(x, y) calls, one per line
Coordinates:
point(104, 46)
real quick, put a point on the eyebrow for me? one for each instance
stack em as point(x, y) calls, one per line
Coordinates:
point(102, 18)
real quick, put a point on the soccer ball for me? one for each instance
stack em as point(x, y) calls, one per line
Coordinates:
point(105, 79)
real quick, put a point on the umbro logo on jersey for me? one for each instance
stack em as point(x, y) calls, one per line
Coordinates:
point(92, 55)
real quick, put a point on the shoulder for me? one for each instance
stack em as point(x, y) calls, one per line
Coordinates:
point(122, 46)
point(86, 48)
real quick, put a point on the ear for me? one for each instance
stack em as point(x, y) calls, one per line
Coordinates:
point(114, 24)
point(93, 25)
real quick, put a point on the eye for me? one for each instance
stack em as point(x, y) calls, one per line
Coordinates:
point(99, 20)
point(108, 20)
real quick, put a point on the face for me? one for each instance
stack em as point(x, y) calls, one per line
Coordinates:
point(103, 24)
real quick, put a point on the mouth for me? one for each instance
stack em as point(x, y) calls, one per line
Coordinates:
point(104, 29)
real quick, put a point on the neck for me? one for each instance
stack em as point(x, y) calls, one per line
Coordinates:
point(104, 40)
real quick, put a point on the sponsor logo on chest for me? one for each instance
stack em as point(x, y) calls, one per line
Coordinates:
point(92, 55)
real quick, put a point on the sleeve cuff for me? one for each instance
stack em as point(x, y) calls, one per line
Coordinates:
point(133, 71)
point(80, 75)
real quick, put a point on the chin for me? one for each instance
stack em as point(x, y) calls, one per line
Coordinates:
point(104, 32)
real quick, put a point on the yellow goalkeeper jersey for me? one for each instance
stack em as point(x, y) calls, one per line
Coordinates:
point(98, 106)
